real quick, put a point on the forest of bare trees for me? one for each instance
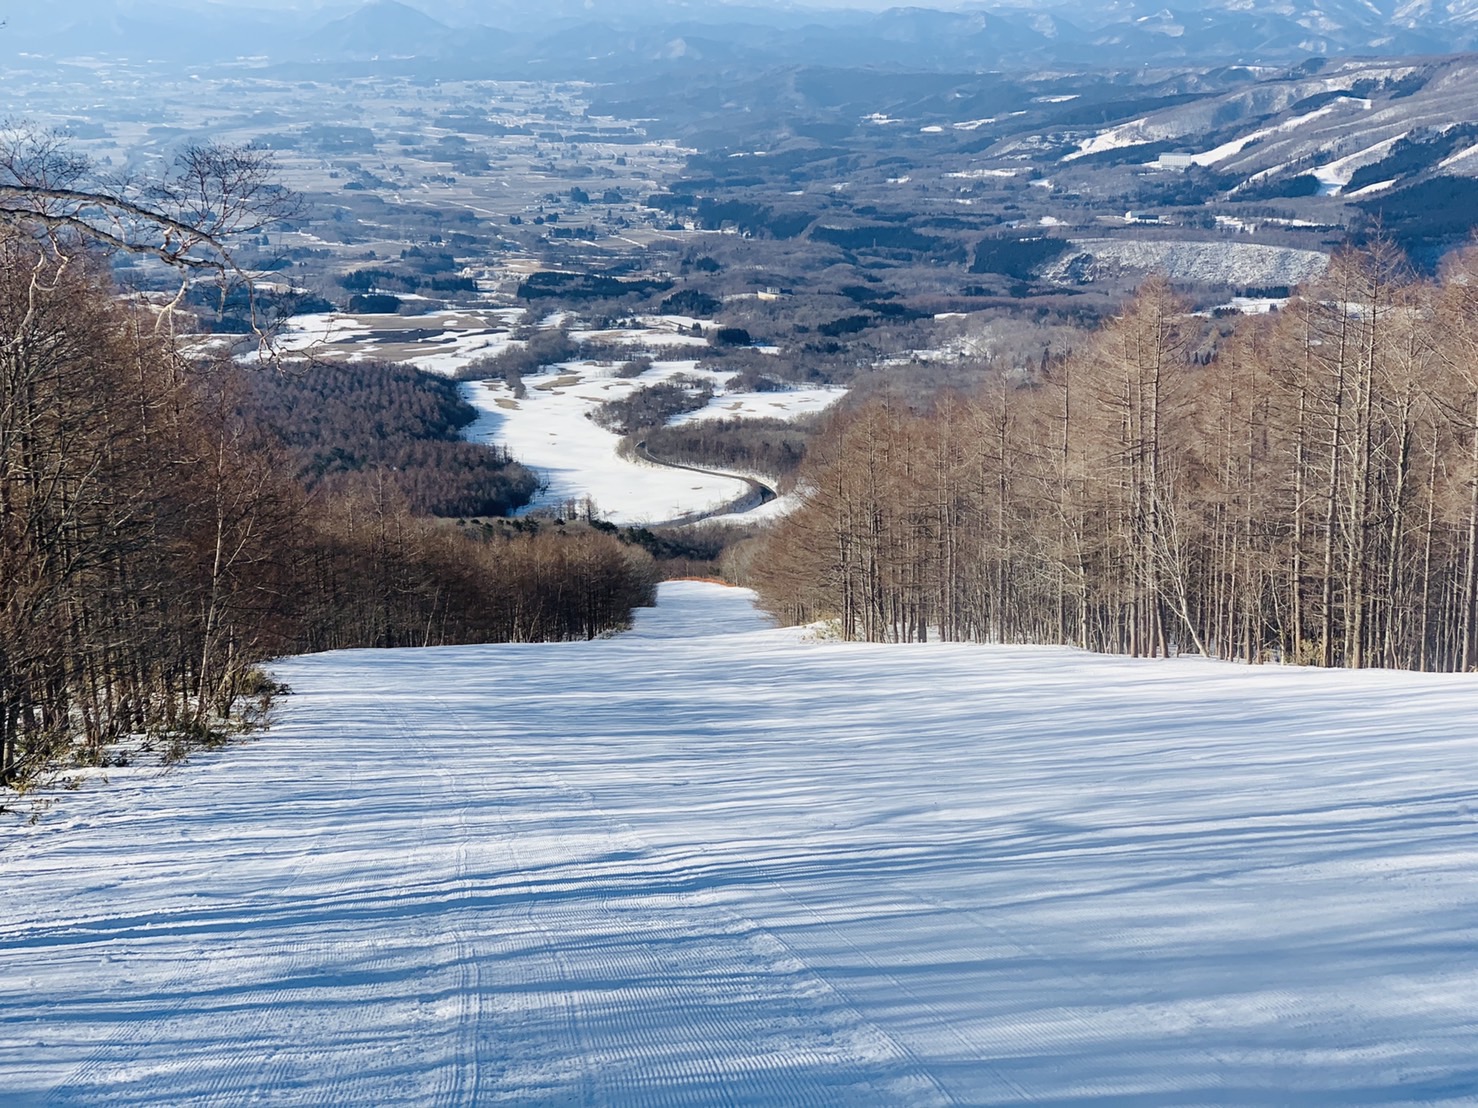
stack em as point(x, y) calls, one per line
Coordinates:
point(1301, 486)
point(348, 427)
point(156, 543)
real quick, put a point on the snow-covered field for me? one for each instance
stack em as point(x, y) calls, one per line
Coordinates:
point(1223, 263)
point(439, 342)
point(713, 863)
point(549, 428)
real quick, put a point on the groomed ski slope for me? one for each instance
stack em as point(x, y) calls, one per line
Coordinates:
point(709, 862)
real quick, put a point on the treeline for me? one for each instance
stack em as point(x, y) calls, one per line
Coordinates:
point(548, 284)
point(394, 422)
point(772, 447)
point(238, 311)
point(749, 217)
point(156, 545)
point(653, 405)
point(392, 281)
point(1016, 257)
point(1307, 493)
point(542, 348)
point(375, 575)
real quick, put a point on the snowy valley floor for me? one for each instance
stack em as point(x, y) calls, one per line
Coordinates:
point(710, 863)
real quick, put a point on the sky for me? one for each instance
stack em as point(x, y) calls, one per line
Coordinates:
point(455, 11)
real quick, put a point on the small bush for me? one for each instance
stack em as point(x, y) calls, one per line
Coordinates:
point(635, 367)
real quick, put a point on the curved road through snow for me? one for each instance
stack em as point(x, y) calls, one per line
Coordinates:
point(758, 495)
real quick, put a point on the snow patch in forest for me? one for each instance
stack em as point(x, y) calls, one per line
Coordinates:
point(1334, 176)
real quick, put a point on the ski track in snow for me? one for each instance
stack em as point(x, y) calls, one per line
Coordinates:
point(709, 862)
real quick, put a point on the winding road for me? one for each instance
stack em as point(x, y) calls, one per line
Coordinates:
point(759, 493)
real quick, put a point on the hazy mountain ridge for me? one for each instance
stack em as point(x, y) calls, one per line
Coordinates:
point(572, 38)
point(1295, 158)
point(384, 27)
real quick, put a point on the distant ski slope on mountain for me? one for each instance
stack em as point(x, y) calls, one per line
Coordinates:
point(710, 862)
point(1398, 122)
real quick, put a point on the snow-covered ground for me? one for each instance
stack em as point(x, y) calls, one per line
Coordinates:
point(1236, 146)
point(1334, 176)
point(709, 862)
point(1137, 132)
point(1223, 263)
point(787, 404)
point(1254, 305)
point(439, 342)
point(549, 428)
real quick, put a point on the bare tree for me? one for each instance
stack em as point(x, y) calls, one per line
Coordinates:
point(1304, 488)
point(184, 218)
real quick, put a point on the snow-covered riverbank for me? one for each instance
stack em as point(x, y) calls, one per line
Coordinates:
point(710, 862)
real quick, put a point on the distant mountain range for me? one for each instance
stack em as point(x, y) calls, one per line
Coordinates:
point(602, 39)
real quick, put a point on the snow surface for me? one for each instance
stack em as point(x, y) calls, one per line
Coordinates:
point(709, 862)
point(549, 428)
point(1236, 146)
point(1335, 175)
point(772, 404)
point(1227, 263)
point(319, 329)
point(1253, 305)
point(1461, 156)
point(1134, 133)
point(438, 342)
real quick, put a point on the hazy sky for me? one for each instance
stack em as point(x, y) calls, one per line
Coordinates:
point(466, 10)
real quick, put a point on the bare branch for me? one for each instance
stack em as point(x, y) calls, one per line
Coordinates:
point(186, 217)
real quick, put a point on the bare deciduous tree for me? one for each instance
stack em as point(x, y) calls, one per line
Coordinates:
point(185, 217)
point(1308, 493)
